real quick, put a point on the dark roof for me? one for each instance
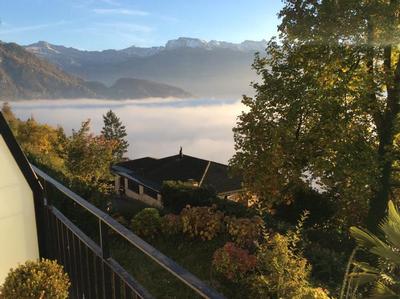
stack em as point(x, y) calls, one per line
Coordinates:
point(153, 172)
point(19, 156)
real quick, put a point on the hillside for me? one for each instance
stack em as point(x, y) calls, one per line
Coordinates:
point(204, 68)
point(129, 88)
point(25, 76)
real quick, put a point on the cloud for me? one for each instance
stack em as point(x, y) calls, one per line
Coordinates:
point(111, 2)
point(123, 27)
point(10, 29)
point(155, 127)
point(120, 11)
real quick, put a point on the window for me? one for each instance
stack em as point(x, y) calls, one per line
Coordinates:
point(150, 192)
point(133, 186)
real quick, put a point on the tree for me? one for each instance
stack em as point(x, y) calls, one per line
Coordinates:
point(88, 157)
point(327, 106)
point(10, 117)
point(114, 130)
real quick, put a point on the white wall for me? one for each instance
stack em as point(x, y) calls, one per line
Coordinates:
point(155, 202)
point(18, 237)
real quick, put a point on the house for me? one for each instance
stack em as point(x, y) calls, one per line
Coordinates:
point(19, 190)
point(142, 179)
point(32, 227)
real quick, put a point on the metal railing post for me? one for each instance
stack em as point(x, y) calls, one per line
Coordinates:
point(105, 251)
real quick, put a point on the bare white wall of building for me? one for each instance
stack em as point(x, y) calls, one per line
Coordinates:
point(155, 202)
point(18, 236)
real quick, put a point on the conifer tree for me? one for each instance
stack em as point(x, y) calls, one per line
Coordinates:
point(113, 130)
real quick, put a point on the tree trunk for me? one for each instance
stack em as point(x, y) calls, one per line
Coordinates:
point(378, 203)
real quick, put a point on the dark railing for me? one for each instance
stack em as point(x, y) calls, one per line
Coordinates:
point(94, 273)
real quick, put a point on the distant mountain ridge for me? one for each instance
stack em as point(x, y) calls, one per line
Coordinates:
point(44, 48)
point(213, 68)
point(25, 76)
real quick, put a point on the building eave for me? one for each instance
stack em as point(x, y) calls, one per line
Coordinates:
point(122, 171)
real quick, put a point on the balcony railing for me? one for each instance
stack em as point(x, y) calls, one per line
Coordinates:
point(93, 271)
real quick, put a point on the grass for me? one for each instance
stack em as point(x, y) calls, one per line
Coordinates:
point(193, 255)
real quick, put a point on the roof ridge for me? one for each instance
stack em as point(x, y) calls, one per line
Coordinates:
point(205, 172)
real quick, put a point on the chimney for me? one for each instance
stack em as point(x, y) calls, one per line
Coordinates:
point(180, 153)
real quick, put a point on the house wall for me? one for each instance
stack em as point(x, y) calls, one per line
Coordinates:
point(18, 236)
point(117, 183)
point(155, 202)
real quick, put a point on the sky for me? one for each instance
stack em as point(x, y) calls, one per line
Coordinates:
point(118, 24)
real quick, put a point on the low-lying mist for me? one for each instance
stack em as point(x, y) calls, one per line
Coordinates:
point(155, 127)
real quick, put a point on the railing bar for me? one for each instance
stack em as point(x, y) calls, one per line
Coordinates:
point(107, 280)
point(82, 268)
point(128, 292)
point(80, 265)
point(117, 286)
point(168, 264)
point(67, 258)
point(129, 281)
point(125, 276)
point(81, 235)
point(90, 272)
point(75, 264)
point(70, 258)
point(99, 277)
point(63, 245)
point(95, 287)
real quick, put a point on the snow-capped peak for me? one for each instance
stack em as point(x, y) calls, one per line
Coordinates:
point(42, 47)
point(185, 42)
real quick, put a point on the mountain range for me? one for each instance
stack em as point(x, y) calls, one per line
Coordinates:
point(213, 68)
point(25, 76)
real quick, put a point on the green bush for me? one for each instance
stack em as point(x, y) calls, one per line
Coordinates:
point(328, 266)
point(147, 223)
point(171, 224)
point(202, 222)
point(177, 195)
point(36, 279)
point(232, 208)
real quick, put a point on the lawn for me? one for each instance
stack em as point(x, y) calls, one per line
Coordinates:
point(194, 255)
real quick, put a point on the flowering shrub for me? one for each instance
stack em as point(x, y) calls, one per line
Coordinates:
point(43, 279)
point(244, 231)
point(171, 224)
point(147, 222)
point(233, 262)
point(203, 222)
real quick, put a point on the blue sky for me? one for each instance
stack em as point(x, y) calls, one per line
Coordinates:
point(117, 24)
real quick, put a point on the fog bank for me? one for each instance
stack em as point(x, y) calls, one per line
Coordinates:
point(155, 127)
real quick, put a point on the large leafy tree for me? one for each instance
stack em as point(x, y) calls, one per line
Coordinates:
point(113, 130)
point(326, 107)
point(88, 157)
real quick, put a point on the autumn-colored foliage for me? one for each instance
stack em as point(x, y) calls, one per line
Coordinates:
point(233, 262)
point(244, 231)
point(171, 224)
point(202, 222)
point(43, 279)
